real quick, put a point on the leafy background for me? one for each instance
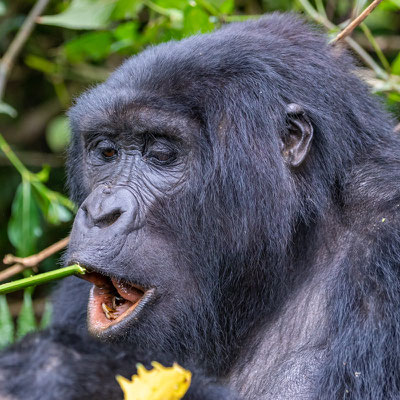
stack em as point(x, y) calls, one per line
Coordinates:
point(77, 44)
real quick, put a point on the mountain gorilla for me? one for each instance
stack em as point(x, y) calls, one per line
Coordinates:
point(239, 200)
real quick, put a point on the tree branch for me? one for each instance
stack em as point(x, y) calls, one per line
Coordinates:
point(16, 45)
point(31, 261)
point(357, 21)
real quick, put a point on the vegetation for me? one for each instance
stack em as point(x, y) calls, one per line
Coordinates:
point(77, 43)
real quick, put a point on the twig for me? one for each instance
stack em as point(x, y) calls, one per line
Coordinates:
point(16, 45)
point(11, 271)
point(368, 60)
point(31, 261)
point(35, 259)
point(357, 21)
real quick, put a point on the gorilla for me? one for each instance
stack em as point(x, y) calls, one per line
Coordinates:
point(239, 212)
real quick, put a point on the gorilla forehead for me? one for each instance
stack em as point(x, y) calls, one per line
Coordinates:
point(235, 62)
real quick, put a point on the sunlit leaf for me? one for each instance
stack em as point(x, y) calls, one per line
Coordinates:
point(6, 324)
point(160, 383)
point(82, 14)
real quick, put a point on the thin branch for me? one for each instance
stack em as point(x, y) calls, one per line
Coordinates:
point(357, 21)
point(31, 261)
point(16, 45)
point(368, 60)
point(11, 271)
point(35, 259)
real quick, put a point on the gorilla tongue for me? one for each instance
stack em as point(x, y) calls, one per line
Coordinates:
point(127, 291)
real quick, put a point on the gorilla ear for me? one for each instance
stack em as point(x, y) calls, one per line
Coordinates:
point(296, 142)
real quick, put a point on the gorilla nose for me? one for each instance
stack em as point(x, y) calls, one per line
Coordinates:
point(105, 207)
point(101, 217)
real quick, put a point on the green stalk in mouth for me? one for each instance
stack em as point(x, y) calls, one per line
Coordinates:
point(41, 278)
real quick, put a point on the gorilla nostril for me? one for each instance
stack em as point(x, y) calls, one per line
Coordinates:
point(107, 220)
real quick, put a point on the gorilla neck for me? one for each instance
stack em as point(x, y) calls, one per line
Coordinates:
point(284, 357)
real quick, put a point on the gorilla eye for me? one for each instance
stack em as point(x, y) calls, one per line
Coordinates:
point(106, 150)
point(109, 153)
point(161, 157)
point(160, 152)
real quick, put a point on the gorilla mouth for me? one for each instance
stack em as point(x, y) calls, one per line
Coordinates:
point(112, 301)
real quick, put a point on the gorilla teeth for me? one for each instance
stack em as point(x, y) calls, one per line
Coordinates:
point(117, 301)
point(108, 311)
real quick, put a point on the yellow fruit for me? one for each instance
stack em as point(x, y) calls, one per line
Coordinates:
point(160, 383)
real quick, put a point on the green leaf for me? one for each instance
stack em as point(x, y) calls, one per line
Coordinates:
point(126, 36)
point(7, 109)
point(58, 134)
point(178, 4)
point(127, 9)
point(82, 14)
point(196, 20)
point(58, 213)
point(43, 174)
point(26, 322)
point(396, 65)
point(227, 6)
point(47, 315)
point(41, 64)
point(127, 31)
point(55, 207)
point(6, 324)
point(391, 5)
point(24, 226)
point(89, 46)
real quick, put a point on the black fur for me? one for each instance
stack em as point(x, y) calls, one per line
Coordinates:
point(294, 272)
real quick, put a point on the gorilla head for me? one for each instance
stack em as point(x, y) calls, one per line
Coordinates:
point(205, 170)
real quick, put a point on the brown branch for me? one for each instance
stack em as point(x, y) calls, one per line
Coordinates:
point(357, 21)
point(16, 45)
point(31, 261)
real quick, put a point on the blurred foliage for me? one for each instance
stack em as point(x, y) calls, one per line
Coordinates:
point(77, 44)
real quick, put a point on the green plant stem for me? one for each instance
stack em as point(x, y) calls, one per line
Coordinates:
point(321, 8)
point(158, 9)
point(376, 47)
point(14, 160)
point(41, 278)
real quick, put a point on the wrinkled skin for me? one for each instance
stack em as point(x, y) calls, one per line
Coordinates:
point(239, 211)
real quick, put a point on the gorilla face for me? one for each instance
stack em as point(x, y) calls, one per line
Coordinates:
point(131, 165)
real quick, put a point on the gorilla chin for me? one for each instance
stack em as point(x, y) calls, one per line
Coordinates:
point(114, 304)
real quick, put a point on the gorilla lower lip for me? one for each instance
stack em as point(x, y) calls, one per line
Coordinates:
point(111, 301)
